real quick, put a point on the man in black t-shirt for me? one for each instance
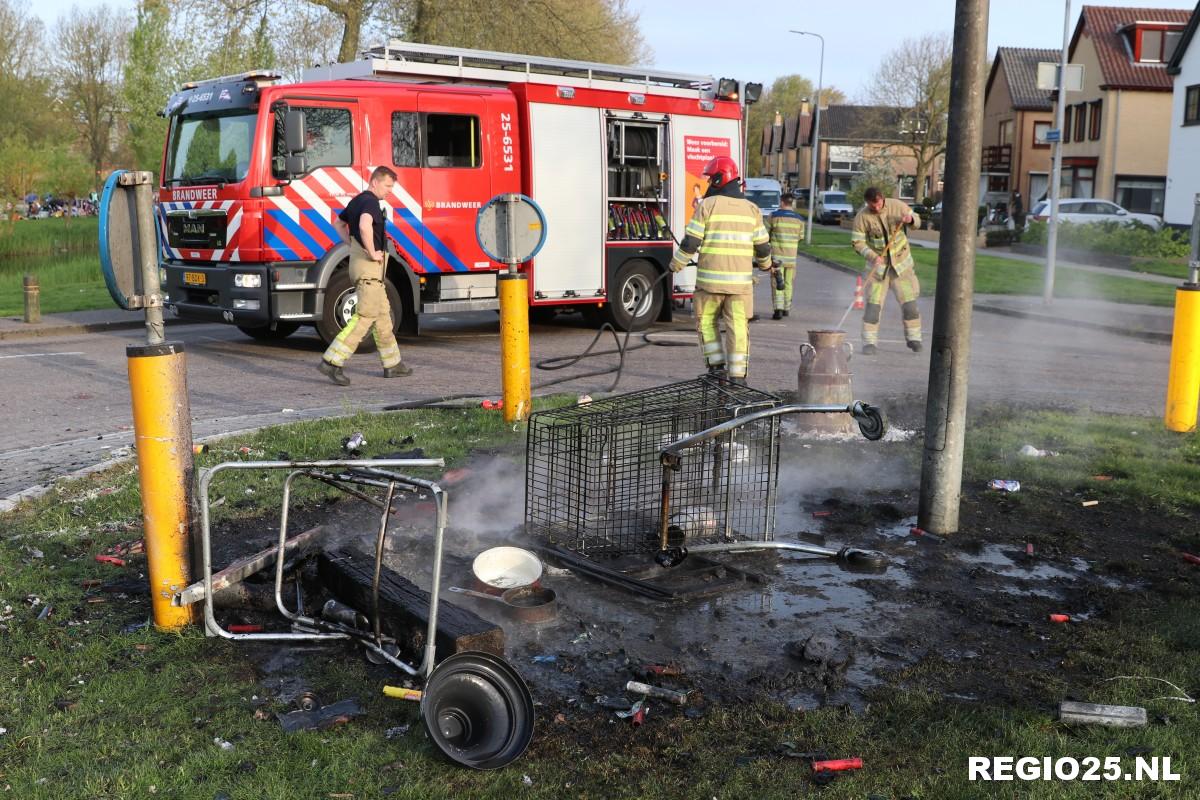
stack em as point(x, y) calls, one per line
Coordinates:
point(362, 225)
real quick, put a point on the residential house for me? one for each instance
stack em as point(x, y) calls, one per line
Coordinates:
point(1117, 129)
point(1183, 166)
point(1016, 118)
point(850, 136)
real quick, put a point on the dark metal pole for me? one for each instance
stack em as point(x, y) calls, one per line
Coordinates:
point(946, 403)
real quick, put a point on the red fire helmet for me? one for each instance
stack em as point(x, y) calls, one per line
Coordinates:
point(721, 170)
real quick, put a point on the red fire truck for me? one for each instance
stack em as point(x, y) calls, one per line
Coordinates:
point(255, 171)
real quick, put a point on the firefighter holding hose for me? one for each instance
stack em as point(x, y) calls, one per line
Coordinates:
point(878, 235)
point(728, 234)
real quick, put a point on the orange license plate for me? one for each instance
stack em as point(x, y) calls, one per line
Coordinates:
point(194, 278)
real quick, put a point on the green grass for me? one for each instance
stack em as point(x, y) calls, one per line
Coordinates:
point(91, 711)
point(67, 283)
point(49, 237)
point(1171, 268)
point(996, 275)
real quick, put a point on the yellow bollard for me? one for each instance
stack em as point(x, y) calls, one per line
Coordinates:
point(1183, 383)
point(163, 433)
point(514, 345)
point(33, 303)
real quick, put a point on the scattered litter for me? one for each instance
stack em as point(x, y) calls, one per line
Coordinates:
point(33, 551)
point(319, 719)
point(3, 731)
point(1033, 452)
point(288, 411)
point(1098, 714)
point(636, 713)
point(837, 765)
point(528, 781)
point(1004, 486)
point(583, 400)
point(1090, 503)
point(1191, 558)
point(1102, 477)
point(455, 476)
point(491, 405)
point(221, 743)
point(354, 442)
point(669, 670)
point(46, 612)
point(397, 731)
point(1029, 548)
point(199, 449)
point(822, 513)
point(581, 637)
point(1183, 696)
point(244, 450)
point(919, 531)
point(134, 627)
point(545, 659)
point(245, 628)
point(670, 695)
point(116, 562)
point(401, 693)
point(1060, 617)
point(611, 703)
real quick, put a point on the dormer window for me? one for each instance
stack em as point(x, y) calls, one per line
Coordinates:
point(1152, 43)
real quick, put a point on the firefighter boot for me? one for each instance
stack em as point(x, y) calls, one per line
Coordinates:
point(869, 349)
point(915, 346)
point(398, 371)
point(779, 314)
point(334, 372)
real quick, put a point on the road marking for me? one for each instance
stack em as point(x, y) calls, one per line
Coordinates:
point(45, 355)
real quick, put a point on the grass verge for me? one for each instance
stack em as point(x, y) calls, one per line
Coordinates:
point(67, 283)
point(49, 237)
point(996, 275)
point(93, 708)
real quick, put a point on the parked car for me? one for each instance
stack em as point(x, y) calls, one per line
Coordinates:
point(831, 207)
point(935, 218)
point(764, 193)
point(1085, 210)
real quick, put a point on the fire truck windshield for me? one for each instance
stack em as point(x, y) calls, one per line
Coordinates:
point(210, 148)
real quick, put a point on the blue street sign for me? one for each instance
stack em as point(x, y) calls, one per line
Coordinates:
point(1053, 135)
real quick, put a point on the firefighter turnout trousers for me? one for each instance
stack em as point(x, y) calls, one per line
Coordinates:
point(735, 311)
point(371, 314)
point(906, 290)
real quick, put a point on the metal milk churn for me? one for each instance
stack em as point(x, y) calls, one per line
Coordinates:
point(824, 379)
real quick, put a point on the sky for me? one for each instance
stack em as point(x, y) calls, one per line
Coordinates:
point(704, 37)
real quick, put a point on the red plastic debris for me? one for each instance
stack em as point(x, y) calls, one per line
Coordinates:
point(1029, 548)
point(837, 765)
point(1191, 558)
point(491, 405)
point(822, 513)
point(1060, 617)
point(639, 716)
point(116, 562)
point(245, 628)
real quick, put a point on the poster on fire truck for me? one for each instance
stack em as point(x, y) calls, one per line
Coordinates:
point(697, 152)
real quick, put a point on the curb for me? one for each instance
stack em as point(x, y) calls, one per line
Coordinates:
point(1152, 336)
point(75, 328)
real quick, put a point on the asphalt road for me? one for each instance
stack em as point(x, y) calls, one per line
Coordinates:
point(66, 398)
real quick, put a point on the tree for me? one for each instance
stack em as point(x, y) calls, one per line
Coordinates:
point(784, 96)
point(90, 59)
point(877, 172)
point(29, 109)
point(147, 83)
point(915, 78)
point(605, 31)
point(353, 15)
point(65, 173)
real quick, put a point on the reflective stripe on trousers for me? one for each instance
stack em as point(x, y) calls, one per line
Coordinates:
point(735, 310)
point(905, 289)
point(372, 313)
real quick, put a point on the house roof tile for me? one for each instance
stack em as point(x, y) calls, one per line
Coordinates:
point(1020, 65)
point(1103, 25)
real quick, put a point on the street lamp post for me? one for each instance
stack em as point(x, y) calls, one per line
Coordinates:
point(816, 137)
point(1056, 169)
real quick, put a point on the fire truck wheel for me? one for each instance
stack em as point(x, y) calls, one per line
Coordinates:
point(635, 297)
point(340, 300)
point(282, 330)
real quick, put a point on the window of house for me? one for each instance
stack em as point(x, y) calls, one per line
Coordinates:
point(1191, 106)
point(406, 144)
point(1066, 131)
point(845, 158)
point(1084, 182)
point(1006, 132)
point(1141, 195)
point(997, 183)
point(1094, 121)
point(1080, 121)
point(906, 184)
point(1039, 134)
point(452, 140)
point(327, 136)
point(1171, 41)
point(1152, 46)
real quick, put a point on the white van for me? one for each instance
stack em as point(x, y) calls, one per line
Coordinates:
point(764, 193)
point(832, 207)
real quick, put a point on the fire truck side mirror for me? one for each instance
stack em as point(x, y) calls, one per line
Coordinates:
point(293, 132)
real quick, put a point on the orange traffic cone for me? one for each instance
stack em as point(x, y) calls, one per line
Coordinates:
point(859, 302)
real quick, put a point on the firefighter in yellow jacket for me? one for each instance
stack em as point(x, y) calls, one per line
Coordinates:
point(728, 233)
point(786, 228)
point(879, 236)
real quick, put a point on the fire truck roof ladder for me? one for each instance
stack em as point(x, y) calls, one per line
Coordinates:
point(399, 60)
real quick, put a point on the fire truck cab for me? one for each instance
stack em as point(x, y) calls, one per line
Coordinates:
point(255, 172)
